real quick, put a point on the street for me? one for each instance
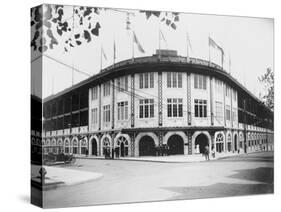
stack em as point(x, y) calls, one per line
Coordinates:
point(135, 181)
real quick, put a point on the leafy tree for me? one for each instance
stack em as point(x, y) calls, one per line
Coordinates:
point(53, 21)
point(268, 80)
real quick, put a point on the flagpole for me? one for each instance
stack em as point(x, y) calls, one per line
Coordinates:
point(222, 60)
point(159, 42)
point(229, 64)
point(187, 53)
point(114, 51)
point(101, 58)
point(133, 49)
point(209, 50)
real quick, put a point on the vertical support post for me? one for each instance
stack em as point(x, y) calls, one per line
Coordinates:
point(113, 104)
point(132, 100)
point(160, 100)
point(189, 137)
point(132, 136)
point(245, 123)
point(189, 100)
point(211, 101)
point(99, 107)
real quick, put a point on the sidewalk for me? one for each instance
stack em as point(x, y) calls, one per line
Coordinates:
point(168, 159)
point(57, 176)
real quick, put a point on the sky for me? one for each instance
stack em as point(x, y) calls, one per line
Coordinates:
point(247, 42)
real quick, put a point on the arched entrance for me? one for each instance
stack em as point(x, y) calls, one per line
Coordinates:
point(122, 147)
point(201, 142)
point(219, 143)
point(235, 143)
point(94, 150)
point(176, 145)
point(146, 146)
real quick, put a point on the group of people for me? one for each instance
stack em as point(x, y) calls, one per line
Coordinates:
point(207, 152)
point(109, 154)
point(162, 150)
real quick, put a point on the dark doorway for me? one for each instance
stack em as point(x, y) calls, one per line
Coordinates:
point(146, 146)
point(122, 149)
point(235, 143)
point(202, 141)
point(94, 147)
point(176, 145)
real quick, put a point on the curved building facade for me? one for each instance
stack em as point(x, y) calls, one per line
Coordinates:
point(136, 106)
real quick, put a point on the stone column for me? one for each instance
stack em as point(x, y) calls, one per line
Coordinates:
point(189, 137)
point(132, 136)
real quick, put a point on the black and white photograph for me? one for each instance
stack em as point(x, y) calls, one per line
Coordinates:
point(132, 106)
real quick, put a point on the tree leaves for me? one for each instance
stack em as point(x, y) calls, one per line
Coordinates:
point(168, 18)
point(87, 36)
point(84, 25)
point(95, 31)
point(268, 80)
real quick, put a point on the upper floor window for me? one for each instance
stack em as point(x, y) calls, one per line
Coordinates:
point(94, 93)
point(146, 80)
point(146, 108)
point(122, 84)
point(122, 110)
point(94, 115)
point(234, 114)
point(234, 95)
point(106, 113)
point(227, 112)
point(200, 82)
point(174, 80)
point(219, 111)
point(218, 85)
point(200, 107)
point(174, 108)
point(106, 89)
point(227, 91)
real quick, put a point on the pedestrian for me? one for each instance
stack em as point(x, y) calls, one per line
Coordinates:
point(207, 152)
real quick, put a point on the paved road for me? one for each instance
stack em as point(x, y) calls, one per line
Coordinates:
point(135, 181)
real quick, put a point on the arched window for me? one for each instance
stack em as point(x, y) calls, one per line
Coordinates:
point(84, 145)
point(75, 146)
point(122, 147)
point(219, 143)
point(66, 146)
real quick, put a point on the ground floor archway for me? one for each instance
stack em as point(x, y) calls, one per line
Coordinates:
point(147, 146)
point(94, 147)
point(176, 145)
point(122, 146)
point(201, 142)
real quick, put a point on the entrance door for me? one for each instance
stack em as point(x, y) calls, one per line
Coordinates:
point(176, 145)
point(146, 146)
point(122, 149)
point(201, 142)
point(94, 147)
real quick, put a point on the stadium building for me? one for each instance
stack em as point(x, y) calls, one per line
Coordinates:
point(139, 104)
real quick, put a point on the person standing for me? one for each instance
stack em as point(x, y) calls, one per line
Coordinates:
point(207, 152)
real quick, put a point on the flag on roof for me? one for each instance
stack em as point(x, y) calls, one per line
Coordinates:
point(215, 45)
point(162, 36)
point(103, 53)
point(140, 48)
